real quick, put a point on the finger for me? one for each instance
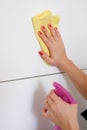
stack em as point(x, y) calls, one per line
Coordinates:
point(45, 57)
point(57, 33)
point(52, 31)
point(47, 34)
point(46, 107)
point(45, 39)
point(45, 112)
point(53, 96)
point(49, 101)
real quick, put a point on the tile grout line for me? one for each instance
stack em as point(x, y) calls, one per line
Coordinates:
point(32, 77)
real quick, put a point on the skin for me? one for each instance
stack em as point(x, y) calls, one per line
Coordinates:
point(56, 110)
point(60, 112)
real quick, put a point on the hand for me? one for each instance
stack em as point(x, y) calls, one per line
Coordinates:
point(60, 112)
point(55, 45)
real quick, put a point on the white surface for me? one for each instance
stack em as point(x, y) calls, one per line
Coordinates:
point(21, 103)
point(18, 44)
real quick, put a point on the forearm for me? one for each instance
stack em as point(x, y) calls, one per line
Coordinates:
point(77, 76)
point(58, 57)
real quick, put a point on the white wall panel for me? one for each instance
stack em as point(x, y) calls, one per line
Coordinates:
point(21, 103)
point(18, 45)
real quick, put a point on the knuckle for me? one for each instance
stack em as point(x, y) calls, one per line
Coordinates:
point(50, 92)
point(51, 39)
point(46, 40)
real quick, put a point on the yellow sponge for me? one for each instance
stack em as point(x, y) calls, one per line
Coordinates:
point(44, 18)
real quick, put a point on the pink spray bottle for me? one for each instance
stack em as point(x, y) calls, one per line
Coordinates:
point(65, 95)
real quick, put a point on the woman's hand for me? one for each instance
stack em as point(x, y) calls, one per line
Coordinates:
point(60, 112)
point(55, 45)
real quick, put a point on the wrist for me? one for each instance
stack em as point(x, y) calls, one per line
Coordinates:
point(72, 126)
point(64, 63)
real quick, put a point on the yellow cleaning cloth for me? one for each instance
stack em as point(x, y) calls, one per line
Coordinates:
point(44, 18)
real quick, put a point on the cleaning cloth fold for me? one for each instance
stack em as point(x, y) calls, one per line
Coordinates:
point(44, 18)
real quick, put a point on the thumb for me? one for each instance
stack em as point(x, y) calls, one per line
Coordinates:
point(45, 57)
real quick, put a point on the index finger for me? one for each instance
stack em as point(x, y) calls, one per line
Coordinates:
point(45, 39)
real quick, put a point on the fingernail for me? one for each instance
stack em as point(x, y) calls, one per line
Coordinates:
point(40, 52)
point(45, 110)
point(40, 33)
point(43, 27)
point(50, 25)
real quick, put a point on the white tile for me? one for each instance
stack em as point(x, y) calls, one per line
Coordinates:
point(21, 103)
point(19, 46)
